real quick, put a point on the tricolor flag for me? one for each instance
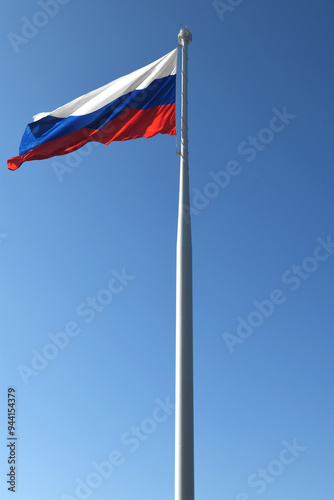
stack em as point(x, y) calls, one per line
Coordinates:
point(141, 104)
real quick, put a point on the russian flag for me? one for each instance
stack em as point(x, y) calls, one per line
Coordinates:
point(141, 104)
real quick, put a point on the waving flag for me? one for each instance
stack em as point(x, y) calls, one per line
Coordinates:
point(141, 104)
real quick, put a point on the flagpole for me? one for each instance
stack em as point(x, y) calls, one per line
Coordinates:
point(184, 411)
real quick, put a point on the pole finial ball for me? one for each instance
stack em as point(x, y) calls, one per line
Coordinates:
point(185, 34)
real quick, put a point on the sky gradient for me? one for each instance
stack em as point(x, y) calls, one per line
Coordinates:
point(88, 255)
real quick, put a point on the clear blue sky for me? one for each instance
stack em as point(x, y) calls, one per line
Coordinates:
point(261, 108)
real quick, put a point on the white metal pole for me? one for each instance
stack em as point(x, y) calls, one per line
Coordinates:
point(184, 412)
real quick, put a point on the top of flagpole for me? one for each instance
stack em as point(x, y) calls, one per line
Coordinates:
point(184, 34)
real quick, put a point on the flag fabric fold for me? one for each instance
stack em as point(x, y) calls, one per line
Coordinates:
point(140, 104)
